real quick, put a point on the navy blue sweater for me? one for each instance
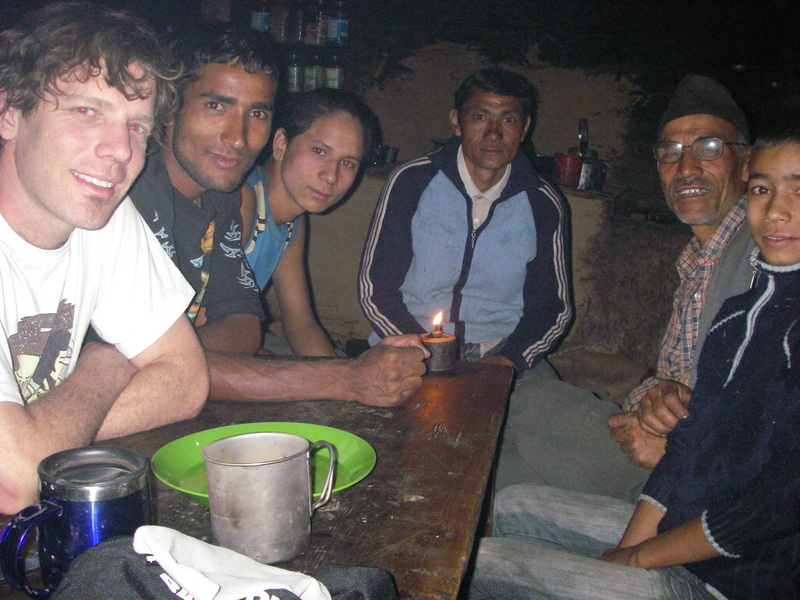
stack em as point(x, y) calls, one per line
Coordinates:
point(735, 460)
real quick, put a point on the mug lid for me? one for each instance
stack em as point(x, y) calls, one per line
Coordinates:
point(92, 473)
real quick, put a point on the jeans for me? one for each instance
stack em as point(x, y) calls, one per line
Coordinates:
point(547, 544)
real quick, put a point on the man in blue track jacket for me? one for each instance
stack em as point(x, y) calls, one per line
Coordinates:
point(471, 229)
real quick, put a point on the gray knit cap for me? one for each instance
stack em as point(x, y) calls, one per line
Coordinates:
point(701, 95)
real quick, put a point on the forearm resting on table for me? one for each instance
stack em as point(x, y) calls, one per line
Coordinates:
point(163, 393)
point(171, 385)
point(254, 379)
point(385, 375)
point(67, 417)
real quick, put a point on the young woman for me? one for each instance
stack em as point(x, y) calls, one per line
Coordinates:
point(315, 159)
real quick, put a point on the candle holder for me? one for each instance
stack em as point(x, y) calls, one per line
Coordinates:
point(442, 347)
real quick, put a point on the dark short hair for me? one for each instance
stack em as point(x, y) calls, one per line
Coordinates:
point(502, 83)
point(84, 39)
point(214, 43)
point(326, 102)
point(776, 134)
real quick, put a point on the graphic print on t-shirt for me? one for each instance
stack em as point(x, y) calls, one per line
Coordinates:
point(234, 235)
point(42, 350)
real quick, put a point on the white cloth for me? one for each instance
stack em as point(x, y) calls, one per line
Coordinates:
point(212, 573)
point(116, 278)
point(481, 201)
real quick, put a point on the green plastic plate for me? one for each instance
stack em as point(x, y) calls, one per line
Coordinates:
point(180, 463)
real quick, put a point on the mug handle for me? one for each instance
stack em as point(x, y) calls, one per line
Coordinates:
point(325, 496)
point(13, 538)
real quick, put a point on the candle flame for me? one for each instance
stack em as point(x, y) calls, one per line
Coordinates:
point(438, 318)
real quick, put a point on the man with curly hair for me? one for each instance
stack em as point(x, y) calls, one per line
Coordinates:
point(82, 88)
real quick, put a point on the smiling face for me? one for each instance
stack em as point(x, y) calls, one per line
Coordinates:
point(224, 122)
point(701, 192)
point(70, 162)
point(315, 169)
point(773, 208)
point(491, 128)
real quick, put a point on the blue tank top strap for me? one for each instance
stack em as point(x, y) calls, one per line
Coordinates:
point(267, 241)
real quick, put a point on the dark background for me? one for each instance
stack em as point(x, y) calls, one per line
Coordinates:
point(752, 47)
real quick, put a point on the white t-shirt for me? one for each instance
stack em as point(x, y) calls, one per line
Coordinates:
point(116, 278)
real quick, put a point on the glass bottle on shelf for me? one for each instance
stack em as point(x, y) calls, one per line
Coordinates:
point(316, 24)
point(259, 17)
point(278, 20)
point(314, 72)
point(334, 71)
point(297, 23)
point(294, 69)
point(338, 24)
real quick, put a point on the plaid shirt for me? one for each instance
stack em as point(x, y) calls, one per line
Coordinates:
point(695, 267)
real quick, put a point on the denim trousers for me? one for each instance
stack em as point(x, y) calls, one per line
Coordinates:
point(547, 543)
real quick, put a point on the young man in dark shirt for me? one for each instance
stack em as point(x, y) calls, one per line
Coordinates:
point(189, 194)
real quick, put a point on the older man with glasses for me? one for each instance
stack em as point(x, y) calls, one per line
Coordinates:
point(700, 154)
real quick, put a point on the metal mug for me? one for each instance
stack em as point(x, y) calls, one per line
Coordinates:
point(86, 496)
point(259, 493)
point(567, 169)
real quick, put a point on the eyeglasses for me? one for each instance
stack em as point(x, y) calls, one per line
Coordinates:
point(704, 148)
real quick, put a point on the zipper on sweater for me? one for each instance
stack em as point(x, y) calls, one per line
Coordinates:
point(466, 261)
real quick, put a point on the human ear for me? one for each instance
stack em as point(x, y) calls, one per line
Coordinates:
point(527, 125)
point(279, 143)
point(454, 122)
point(746, 164)
point(9, 120)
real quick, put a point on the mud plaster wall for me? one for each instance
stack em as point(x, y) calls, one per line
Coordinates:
point(414, 107)
point(623, 271)
point(623, 275)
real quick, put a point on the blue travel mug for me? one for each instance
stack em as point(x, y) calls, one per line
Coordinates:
point(86, 496)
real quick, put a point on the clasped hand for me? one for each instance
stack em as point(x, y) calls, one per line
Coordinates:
point(641, 433)
point(663, 406)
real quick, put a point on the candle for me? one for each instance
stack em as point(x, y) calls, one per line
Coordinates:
point(437, 325)
point(442, 347)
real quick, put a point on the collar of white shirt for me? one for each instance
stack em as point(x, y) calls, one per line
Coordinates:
point(481, 201)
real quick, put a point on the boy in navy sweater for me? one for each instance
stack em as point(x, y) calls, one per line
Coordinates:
point(724, 502)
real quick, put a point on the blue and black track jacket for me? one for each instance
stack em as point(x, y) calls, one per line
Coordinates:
point(509, 278)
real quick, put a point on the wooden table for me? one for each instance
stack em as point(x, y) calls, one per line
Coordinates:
point(416, 514)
